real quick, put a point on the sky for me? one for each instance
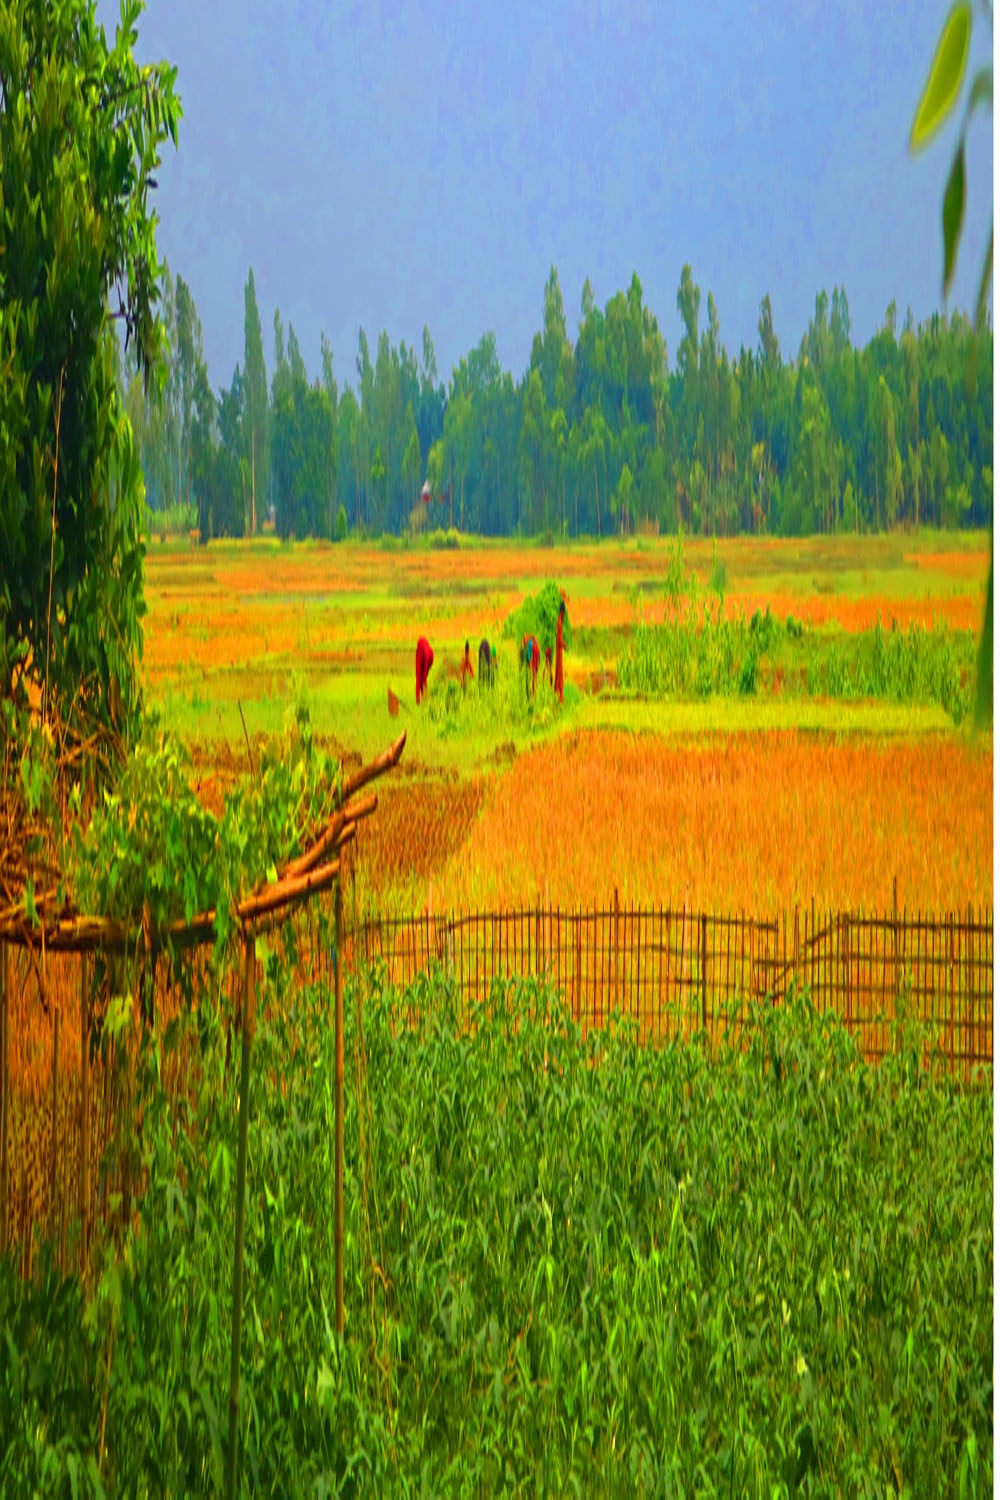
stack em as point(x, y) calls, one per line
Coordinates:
point(390, 166)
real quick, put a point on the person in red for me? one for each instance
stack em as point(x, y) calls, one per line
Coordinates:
point(467, 673)
point(559, 650)
point(425, 660)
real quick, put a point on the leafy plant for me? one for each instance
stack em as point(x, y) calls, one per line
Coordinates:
point(537, 615)
point(81, 127)
point(572, 1263)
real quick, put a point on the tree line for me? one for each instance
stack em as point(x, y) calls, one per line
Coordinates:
point(600, 435)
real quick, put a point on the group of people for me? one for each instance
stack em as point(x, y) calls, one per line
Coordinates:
point(487, 665)
point(530, 656)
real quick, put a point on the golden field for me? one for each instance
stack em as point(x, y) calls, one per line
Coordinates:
point(754, 823)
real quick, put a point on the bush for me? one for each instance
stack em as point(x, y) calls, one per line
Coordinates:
point(537, 615)
point(340, 526)
point(444, 540)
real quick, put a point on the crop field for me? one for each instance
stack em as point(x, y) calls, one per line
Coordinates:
point(233, 624)
point(801, 791)
point(751, 822)
point(575, 1260)
point(570, 1267)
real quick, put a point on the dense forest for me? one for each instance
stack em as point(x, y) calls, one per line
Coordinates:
point(600, 435)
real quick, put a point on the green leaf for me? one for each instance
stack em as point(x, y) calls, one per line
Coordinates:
point(953, 213)
point(981, 91)
point(118, 1015)
point(984, 283)
point(945, 78)
point(29, 901)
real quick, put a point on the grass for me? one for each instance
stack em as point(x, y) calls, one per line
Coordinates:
point(237, 623)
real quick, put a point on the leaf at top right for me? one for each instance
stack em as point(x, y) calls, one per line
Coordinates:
point(945, 78)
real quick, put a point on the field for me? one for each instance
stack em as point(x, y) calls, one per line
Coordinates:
point(753, 803)
point(570, 1267)
point(232, 623)
point(574, 1261)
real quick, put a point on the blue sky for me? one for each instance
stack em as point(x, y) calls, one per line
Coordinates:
point(388, 166)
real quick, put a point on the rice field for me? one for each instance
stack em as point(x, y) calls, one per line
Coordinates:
point(728, 803)
point(745, 822)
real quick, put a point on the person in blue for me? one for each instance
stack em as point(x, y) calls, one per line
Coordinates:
point(532, 659)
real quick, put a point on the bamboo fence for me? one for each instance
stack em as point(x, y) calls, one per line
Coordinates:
point(675, 973)
point(66, 1102)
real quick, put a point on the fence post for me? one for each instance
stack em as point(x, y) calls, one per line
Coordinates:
point(241, 1177)
point(617, 952)
point(895, 938)
point(84, 1109)
point(704, 973)
point(951, 986)
point(795, 949)
point(579, 973)
point(338, 1131)
point(55, 1110)
point(4, 1100)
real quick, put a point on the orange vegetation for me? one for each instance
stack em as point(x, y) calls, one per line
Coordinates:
point(417, 828)
point(757, 823)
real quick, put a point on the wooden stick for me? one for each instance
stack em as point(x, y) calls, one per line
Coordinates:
point(55, 1111)
point(241, 1176)
point(328, 838)
point(84, 1111)
point(4, 1094)
point(338, 1147)
point(378, 767)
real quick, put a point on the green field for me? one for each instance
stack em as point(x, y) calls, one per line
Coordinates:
point(569, 1268)
point(246, 625)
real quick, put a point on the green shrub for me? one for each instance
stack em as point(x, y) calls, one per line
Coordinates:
point(444, 540)
point(537, 615)
point(340, 526)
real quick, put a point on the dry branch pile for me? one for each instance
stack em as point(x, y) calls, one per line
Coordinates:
point(29, 855)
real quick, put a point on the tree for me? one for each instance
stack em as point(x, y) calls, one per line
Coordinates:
point(281, 380)
point(329, 383)
point(188, 358)
point(255, 429)
point(81, 127)
point(623, 497)
point(411, 458)
point(888, 468)
point(296, 363)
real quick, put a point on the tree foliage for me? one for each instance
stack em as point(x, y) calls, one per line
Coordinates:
point(836, 438)
point(81, 127)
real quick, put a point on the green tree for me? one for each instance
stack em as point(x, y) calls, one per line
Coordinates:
point(256, 434)
point(411, 458)
point(189, 358)
point(81, 127)
point(623, 498)
point(295, 361)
